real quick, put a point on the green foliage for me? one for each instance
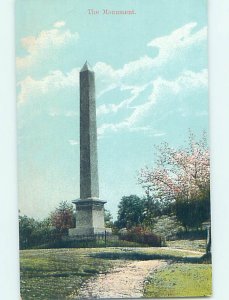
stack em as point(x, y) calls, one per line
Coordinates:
point(48, 232)
point(26, 227)
point(108, 219)
point(154, 208)
point(160, 218)
point(33, 232)
point(130, 212)
point(147, 213)
point(141, 235)
point(193, 212)
point(192, 235)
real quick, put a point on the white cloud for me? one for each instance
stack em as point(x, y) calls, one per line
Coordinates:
point(73, 142)
point(142, 63)
point(168, 46)
point(59, 24)
point(40, 47)
point(187, 81)
point(178, 39)
point(114, 108)
point(107, 77)
point(194, 80)
point(55, 80)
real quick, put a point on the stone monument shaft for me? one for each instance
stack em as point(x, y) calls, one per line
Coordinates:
point(89, 208)
point(89, 183)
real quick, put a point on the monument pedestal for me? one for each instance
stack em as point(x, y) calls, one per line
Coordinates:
point(89, 217)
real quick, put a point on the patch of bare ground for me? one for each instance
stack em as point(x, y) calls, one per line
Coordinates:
point(125, 281)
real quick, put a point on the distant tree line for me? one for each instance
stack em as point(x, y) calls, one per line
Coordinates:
point(35, 233)
point(49, 231)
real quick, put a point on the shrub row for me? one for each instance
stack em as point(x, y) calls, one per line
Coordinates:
point(139, 235)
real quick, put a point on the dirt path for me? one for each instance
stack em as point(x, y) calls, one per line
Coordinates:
point(125, 281)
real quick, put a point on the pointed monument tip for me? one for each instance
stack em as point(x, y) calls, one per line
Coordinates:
point(86, 67)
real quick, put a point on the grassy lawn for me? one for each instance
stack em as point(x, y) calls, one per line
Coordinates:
point(179, 279)
point(59, 273)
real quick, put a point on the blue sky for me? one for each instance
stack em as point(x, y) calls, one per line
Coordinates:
point(151, 85)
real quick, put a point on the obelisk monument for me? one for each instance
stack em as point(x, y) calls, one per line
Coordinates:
point(89, 208)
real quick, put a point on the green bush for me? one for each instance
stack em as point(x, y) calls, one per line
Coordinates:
point(192, 235)
point(141, 235)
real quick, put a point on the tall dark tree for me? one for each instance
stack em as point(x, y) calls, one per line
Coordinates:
point(130, 212)
point(193, 212)
point(154, 208)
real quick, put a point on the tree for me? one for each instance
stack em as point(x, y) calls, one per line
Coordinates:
point(181, 179)
point(26, 228)
point(33, 232)
point(154, 208)
point(108, 218)
point(130, 212)
point(166, 226)
point(63, 217)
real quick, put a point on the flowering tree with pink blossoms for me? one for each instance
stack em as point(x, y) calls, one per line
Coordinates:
point(181, 178)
